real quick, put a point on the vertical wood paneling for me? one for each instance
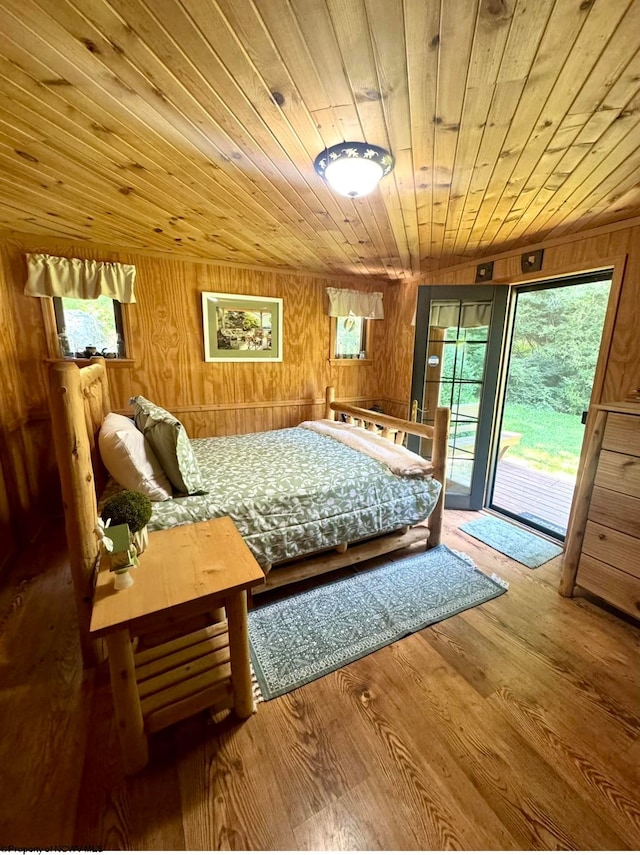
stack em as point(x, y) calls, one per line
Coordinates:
point(15, 489)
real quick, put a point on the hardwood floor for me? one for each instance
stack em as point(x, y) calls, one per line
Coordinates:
point(515, 725)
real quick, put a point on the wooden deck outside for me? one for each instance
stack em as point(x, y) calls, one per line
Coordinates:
point(519, 489)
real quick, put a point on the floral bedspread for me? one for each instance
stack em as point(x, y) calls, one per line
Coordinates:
point(293, 491)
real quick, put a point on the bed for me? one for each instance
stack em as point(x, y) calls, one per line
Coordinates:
point(362, 510)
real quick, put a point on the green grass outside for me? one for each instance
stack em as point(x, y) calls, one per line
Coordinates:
point(550, 441)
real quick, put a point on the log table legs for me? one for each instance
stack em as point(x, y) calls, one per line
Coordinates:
point(126, 702)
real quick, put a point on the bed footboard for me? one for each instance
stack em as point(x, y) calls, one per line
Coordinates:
point(395, 430)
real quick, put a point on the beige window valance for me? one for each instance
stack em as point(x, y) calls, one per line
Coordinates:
point(361, 304)
point(467, 316)
point(53, 276)
point(452, 314)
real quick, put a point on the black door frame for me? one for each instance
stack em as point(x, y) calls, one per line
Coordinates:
point(499, 296)
point(515, 290)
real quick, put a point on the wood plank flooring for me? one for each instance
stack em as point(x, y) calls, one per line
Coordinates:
point(515, 725)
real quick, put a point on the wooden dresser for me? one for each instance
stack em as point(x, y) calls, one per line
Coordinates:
point(603, 542)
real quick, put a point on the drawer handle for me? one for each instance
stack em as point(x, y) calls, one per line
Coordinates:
point(602, 536)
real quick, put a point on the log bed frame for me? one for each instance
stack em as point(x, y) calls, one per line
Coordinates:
point(79, 400)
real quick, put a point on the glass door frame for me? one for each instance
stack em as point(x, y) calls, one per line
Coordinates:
point(522, 288)
point(499, 297)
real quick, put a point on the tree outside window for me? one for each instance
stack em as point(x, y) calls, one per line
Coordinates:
point(89, 323)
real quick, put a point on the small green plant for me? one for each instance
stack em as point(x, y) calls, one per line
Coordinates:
point(128, 507)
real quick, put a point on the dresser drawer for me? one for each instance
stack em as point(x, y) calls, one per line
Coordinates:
point(612, 547)
point(615, 510)
point(618, 588)
point(622, 434)
point(619, 472)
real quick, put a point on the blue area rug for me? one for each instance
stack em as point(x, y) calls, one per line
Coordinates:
point(298, 639)
point(521, 545)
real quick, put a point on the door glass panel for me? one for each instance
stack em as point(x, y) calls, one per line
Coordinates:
point(454, 378)
point(554, 351)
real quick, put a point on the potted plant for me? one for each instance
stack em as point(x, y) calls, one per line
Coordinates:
point(132, 509)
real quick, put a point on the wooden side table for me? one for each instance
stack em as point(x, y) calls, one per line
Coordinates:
point(185, 572)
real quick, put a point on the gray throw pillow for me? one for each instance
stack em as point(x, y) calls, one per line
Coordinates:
point(170, 443)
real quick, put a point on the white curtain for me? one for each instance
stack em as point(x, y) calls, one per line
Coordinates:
point(52, 276)
point(360, 304)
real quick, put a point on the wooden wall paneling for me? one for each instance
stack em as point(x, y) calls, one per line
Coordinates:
point(623, 367)
point(7, 533)
point(17, 509)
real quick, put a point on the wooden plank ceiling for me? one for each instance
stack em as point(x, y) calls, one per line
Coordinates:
point(191, 126)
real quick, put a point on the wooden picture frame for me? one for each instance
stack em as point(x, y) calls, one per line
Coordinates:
point(241, 327)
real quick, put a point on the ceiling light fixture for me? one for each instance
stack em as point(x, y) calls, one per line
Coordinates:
point(354, 168)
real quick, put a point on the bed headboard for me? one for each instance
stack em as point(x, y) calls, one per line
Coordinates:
point(79, 400)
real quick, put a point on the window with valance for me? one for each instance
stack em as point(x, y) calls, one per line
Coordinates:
point(351, 312)
point(87, 298)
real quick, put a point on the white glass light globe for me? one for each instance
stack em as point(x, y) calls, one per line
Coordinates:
point(353, 176)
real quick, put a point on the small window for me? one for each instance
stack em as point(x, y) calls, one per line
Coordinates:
point(350, 338)
point(83, 325)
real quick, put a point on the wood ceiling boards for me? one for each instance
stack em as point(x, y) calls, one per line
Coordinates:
point(191, 126)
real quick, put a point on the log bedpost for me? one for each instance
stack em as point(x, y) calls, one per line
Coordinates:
point(441, 442)
point(71, 443)
point(330, 396)
point(104, 384)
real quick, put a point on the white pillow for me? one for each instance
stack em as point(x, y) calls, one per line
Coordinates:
point(129, 458)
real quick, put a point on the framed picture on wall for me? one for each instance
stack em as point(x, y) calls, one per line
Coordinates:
point(241, 328)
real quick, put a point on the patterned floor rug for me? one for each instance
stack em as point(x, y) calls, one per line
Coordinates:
point(511, 540)
point(305, 636)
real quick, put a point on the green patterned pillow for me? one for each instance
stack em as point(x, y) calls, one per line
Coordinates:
point(168, 439)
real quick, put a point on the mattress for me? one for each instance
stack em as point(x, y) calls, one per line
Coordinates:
point(292, 491)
